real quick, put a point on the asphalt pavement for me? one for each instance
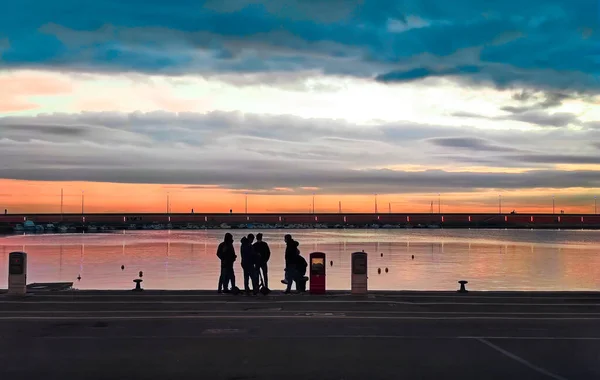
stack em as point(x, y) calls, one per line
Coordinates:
point(400, 335)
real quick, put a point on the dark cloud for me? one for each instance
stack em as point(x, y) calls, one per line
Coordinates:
point(262, 152)
point(525, 160)
point(421, 72)
point(485, 160)
point(503, 76)
point(556, 158)
point(56, 130)
point(547, 44)
point(513, 109)
point(554, 99)
point(550, 100)
point(470, 143)
point(542, 118)
point(466, 114)
point(332, 182)
point(523, 95)
point(536, 112)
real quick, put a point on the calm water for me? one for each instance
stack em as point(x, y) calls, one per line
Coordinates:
point(488, 259)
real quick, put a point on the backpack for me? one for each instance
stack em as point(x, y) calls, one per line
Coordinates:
point(301, 263)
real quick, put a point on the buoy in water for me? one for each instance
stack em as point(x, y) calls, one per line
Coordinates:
point(122, 267)
point(331, 263)
point(141, 274)
point(413, 257)
point(386, 270)
point(378, 270)
point(381, 254)
point(78, 277)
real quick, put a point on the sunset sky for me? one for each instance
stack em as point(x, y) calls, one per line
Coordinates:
point(126, 101)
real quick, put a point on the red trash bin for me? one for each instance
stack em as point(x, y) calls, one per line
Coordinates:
point(317, 273)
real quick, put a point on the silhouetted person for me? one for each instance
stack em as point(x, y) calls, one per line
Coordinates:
point(5, 211)
point(249, 264)
point(261, 248)
point(291, 254)
point(300, 266)
point(226, 253)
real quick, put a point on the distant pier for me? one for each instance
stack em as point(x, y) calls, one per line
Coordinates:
point(317, 220)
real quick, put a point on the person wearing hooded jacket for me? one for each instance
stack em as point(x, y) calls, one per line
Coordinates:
point(226, 253)
point(249, 264)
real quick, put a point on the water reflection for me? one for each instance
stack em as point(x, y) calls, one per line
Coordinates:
point(416, 260)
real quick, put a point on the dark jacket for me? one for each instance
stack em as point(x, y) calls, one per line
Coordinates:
point(249, 258)
point(226, 253)
point(261, 248)
point(291, 252)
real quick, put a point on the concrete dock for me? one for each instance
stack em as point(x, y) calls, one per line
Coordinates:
point(394, 335)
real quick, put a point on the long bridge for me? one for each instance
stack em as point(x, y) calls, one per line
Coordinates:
point(446, 220)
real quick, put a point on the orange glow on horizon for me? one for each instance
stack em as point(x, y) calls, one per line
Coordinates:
point(44, 197)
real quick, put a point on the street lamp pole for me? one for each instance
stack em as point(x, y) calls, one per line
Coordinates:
point(499, 203)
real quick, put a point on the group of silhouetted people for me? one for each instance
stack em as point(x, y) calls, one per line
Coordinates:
point(255, 259)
